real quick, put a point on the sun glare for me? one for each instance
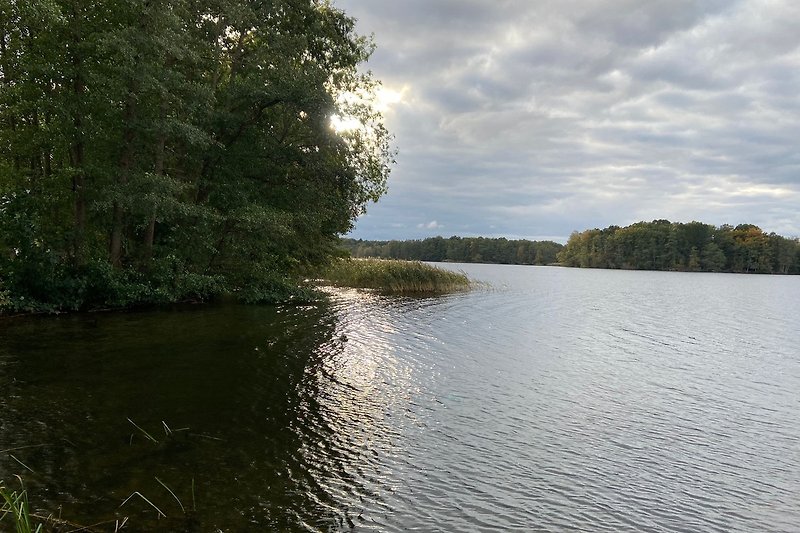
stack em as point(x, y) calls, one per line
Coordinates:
point(340, 124)
point(382, 101)
point(386, 98)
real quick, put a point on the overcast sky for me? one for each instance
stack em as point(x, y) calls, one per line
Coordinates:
point(532, 119)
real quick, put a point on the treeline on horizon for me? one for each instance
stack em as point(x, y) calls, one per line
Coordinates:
point(459, 250)
point(693, 246)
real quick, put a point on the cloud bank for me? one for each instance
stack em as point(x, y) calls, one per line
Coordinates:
point(534, 119)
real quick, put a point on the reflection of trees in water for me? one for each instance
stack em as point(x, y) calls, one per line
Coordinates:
point(264, 447)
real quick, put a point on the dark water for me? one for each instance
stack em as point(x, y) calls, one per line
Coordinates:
point(556, 400)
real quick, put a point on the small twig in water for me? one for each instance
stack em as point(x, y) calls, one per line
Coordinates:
point(50, 519)
point(146, 434)
point(118, 526)
point(90, 528)
point(206, 436)
point(137, 493)
point(173, 494)
point(23, 448)
point(29, 469)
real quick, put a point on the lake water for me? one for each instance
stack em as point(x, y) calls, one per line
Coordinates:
point(552, 399)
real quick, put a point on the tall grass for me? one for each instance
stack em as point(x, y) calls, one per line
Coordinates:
point(15, 505)
point(394, 276)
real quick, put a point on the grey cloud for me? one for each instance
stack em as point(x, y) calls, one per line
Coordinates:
point(539, 118)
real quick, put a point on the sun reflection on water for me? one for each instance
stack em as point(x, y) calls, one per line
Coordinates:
point(363, 402)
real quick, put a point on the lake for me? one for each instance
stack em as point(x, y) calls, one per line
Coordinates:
point(550, 399)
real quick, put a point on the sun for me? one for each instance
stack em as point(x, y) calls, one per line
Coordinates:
point(342, 124)
point(382, 100)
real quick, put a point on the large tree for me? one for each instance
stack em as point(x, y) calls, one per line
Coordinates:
point(154, 150)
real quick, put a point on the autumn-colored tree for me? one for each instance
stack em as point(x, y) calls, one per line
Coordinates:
point(661, 245)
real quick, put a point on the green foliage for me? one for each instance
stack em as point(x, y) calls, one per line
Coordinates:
point(16, 510)
point(394, 276)
point(459, 249)
point(159, 151)
point(50, 286)
point(661, 245)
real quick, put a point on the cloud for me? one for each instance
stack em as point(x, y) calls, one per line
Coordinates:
point(540, 118)
point(430, 225)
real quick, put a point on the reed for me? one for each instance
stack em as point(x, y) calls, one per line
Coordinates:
point(394, 276)
point(16, 510)
point(15, 506)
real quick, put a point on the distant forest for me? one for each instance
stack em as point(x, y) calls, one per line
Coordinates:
point(459, 249)
point(656, 245)
point(664, 245)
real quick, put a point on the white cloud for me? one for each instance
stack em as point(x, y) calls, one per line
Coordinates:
point(430, 225)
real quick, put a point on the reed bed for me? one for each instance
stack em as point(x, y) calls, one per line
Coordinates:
point(395, 276)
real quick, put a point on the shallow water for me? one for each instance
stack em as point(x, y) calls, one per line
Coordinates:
point(555, 399)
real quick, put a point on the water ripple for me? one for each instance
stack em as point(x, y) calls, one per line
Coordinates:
point(552, 400)
point(616, 402)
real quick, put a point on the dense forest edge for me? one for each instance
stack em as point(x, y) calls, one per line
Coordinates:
point(656, 245)
point(693, 247)
point(156, 152)
point(459, 250)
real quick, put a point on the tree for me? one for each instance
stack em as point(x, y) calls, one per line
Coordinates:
point(693, 263)
point(661, 245)
point(712, 258)
point(458, 249)
point(156, 150)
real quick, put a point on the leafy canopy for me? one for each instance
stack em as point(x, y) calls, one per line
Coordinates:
point(155, 150)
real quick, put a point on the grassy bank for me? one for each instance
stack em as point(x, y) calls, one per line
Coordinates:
point(394, 276)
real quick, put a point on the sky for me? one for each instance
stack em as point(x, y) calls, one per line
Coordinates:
point(534, 119)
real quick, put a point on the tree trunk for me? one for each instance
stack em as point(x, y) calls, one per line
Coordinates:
point(78, 176)
point(123, 177)
point(8, 75)
point(158, 169)
point(125, 165)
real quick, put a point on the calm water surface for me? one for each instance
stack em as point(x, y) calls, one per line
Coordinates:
point(552, 400)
